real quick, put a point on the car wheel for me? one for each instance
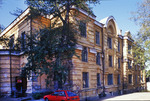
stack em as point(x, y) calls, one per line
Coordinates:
point(46, 99)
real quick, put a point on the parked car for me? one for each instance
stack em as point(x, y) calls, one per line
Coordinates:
point(62, 95)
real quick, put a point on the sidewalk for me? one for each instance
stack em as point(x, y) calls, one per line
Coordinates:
point(142, 96)
point(19, 99)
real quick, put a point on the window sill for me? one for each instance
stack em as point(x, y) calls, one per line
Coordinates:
point(98, 64)
point(85, 61)
point(97, 44)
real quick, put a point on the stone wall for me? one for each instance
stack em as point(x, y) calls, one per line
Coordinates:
point(5, 77)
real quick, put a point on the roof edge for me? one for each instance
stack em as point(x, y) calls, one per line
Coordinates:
point(15, 21)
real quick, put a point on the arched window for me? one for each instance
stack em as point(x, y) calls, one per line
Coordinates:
point(111, 30)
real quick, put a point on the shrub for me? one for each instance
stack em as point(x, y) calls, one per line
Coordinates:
point(40, 93)
point(37, 95)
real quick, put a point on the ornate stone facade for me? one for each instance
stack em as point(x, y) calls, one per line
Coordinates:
point(105, 70)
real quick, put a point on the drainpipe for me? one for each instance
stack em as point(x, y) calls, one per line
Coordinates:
point(10, 70)
point(103, 62)
point(31, 44)
point(122, 67)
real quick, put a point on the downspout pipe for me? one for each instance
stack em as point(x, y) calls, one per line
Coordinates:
point(122, 67)
point(10, 70)
point(31, 43)
point(103, 64)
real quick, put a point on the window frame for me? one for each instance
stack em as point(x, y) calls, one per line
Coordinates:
point(118, 79)
point(83, 28)
point(84, 54)
point(129, 49)
point(119, 63)
point(85, 79)
point(136, 67)
point(110, 79)
point(130, 79)
point(98, 79)
point(136, 79)
point(23, 41)
point(118, 46)
point(12, 38)
point(110, 60)
point(129, 64)
point(109, 42)
point(97, 37)
point(98, 59)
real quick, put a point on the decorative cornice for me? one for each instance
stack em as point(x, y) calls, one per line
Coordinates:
point(125, 37)
point(84, 12)
point(98, 24)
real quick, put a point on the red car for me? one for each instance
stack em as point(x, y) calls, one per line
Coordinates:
point(62, 95)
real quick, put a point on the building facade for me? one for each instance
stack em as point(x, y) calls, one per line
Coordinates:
point(106, 61)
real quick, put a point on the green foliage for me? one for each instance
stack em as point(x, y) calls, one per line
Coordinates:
point(4, 41)
point(50, 49)
point(139, 55)
point(142, 16)
point(37, 95)
point(41, 93)
point(1, 28)
point(148, 73)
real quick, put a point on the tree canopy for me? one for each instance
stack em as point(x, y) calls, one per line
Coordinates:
point(50, 49)
point(1, 28)
point(142, 17)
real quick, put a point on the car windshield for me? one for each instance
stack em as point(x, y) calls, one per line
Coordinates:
point(61, 93)
point(70, 94)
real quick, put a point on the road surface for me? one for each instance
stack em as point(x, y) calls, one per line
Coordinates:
point(133, 96)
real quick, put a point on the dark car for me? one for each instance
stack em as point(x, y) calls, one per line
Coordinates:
point(62, 95)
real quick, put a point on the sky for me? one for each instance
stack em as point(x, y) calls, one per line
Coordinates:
point(119, 9)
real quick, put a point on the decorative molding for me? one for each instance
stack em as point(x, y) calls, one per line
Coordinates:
point(79, 47)
point(120, 36)
point(92, 50)
point(128, 38)
point(98, 23)
point(85, 13)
